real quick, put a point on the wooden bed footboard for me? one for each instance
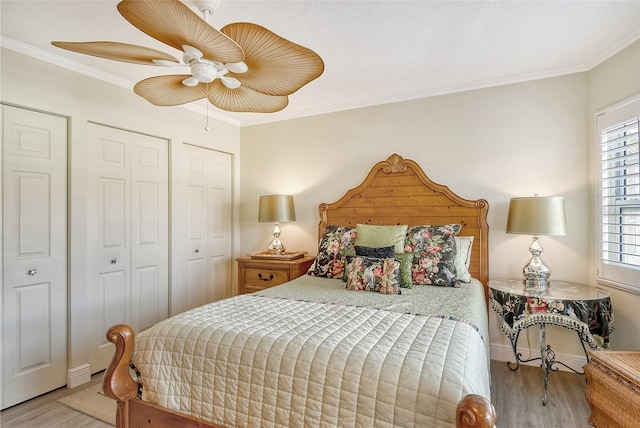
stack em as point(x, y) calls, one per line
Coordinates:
point(474, 411)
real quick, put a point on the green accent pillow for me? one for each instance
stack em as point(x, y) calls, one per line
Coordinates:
point(406, 260)
point(381, 236)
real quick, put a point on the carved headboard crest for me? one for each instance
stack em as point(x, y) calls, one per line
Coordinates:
point(395, 163)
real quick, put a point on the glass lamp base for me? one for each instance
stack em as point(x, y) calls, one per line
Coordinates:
point(535, 273)
point(276, 246)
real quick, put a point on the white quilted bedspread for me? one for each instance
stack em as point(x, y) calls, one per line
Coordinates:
point(254, 361)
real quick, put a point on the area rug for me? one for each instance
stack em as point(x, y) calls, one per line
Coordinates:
point(91, 401)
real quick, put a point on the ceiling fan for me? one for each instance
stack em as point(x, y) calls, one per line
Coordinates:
point(241, 68)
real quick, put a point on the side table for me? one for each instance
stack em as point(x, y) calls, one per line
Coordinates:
point(581, 308)
point(258, 274)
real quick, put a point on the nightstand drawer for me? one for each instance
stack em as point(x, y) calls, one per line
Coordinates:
point(264, 277)
point(258, 274)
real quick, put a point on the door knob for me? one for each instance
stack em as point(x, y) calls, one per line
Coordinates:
point(32, 272)
point(114, 261)
point(197, 251)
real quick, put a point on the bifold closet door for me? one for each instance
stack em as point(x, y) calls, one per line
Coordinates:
point(34, 237)
point(207, 250)
point(127, 234)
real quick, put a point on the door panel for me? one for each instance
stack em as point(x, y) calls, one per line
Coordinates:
point(146, 289)
point(33, 213)
point(113, 213)
point(33, 312)
point(34, 221)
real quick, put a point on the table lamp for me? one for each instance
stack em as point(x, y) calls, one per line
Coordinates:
point(277, 209)
point(537, 216)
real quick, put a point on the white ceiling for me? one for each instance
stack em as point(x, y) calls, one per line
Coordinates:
point(375, 52)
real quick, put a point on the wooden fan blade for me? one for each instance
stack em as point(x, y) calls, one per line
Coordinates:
point(169, 90)
point(276, 65)
point(244, 99)
point(117, 51)
point(174, 24)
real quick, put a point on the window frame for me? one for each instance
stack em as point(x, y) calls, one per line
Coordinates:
point(612, 273)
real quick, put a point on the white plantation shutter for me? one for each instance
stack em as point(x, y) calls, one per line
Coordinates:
point(619, 197)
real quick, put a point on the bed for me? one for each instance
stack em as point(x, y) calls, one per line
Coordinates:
point(314, 352)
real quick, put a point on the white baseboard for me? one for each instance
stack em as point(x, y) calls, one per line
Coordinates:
point(505, 353)
point(77, 376)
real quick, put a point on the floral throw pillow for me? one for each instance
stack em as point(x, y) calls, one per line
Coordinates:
point(372, 274)
point(405, 260)
point(330, 261)
point(434, 252)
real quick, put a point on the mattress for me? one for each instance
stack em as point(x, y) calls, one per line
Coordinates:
point(311, 353)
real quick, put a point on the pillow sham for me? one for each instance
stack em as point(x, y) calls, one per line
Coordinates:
point(463, 257)
point(373, 274)
point(330, 261)
point(381, 236)
point(434, 252)
point(405, 260)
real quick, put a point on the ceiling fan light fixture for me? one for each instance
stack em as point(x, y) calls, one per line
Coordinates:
point(205, 73)
point(230, 82)
point(237, 67)
point(190, 81)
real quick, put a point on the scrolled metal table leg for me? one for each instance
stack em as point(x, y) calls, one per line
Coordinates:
point(544, 361)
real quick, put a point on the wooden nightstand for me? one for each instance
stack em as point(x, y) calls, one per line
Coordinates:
point(258, 274)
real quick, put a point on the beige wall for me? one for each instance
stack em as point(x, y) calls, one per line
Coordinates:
point(495, 143)
point(34, 84)
point(613, 81)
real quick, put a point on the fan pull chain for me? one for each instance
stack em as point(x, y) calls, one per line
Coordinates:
point(206, 128)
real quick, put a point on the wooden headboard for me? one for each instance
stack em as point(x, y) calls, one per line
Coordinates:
point(397, 191)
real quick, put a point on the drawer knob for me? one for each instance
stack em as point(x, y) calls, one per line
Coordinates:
point(265, 279)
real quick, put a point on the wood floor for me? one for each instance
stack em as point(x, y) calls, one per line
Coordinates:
point(517, 397)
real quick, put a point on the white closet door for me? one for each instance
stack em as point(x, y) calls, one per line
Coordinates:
point(34, 321)
point(207, 251)
point(127, 235)
point(149, 231)
point(219, 224)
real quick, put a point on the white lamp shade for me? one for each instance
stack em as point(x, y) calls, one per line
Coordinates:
point(276, 208)
point(537, 216)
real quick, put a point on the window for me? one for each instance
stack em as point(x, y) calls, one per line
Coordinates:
point(619, 196)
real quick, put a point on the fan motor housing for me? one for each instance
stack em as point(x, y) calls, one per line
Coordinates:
point(205, 73)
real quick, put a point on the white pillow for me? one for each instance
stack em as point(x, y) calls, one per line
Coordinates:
point(463, 257)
